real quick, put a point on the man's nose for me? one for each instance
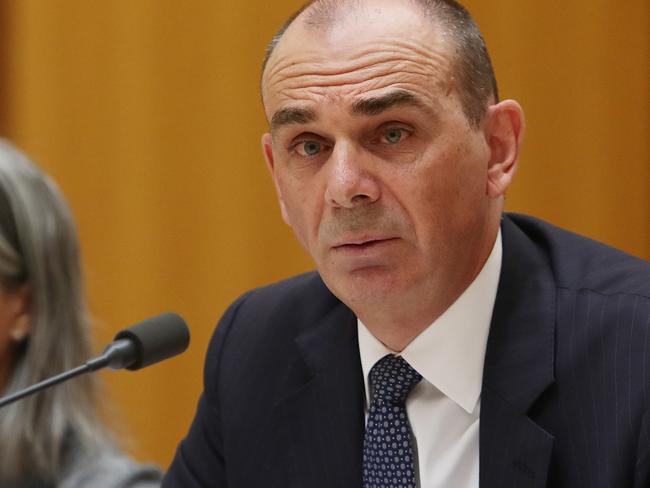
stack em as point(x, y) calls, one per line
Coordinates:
point(351, 181)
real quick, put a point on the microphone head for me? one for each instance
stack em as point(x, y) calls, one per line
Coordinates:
point(156, 339)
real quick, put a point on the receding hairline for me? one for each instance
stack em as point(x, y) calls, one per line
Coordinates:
point(318, 15)
point(471, 66)
point(322, 14)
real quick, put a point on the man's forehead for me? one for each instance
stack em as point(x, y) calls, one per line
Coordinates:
point(346, 24)
point(385, 42)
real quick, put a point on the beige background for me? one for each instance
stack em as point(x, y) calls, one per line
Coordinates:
point(147, 114)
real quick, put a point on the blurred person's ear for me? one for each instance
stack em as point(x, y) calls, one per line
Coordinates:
point(21, 311)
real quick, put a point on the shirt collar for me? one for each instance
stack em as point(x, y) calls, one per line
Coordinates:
point(449, 354)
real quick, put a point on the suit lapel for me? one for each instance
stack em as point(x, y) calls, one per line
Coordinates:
point(322, 415)
point(519, 366)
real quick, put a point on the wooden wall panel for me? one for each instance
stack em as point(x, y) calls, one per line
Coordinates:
point(147, 113)
point(5, 52)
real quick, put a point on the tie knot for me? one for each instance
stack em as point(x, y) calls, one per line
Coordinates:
point(392, 378)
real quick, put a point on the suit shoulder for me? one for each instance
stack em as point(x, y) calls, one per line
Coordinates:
point(579, 262)
point(276, 313)
point(302, 295)
point(254, 345)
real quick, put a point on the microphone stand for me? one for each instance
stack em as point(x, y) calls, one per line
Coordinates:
point(44, 384)
point(117, 355)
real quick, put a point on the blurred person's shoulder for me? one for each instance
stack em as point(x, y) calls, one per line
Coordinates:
point(109, 469)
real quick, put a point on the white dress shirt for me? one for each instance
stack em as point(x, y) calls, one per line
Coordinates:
point(444, 407)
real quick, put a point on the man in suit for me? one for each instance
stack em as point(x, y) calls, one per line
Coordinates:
point(440, 343)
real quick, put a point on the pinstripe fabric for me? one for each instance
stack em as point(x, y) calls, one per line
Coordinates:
point(566, 373)
point(565, 399)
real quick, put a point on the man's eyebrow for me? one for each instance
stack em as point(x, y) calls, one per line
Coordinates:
point(377, 105)
point(291, 115)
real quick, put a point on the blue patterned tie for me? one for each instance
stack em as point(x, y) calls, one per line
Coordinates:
point(387, 453)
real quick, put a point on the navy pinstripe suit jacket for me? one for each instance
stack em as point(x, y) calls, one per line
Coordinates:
point(566, 384)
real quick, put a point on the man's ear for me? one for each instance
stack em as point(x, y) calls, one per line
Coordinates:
point(267, 149)
point(504, 132)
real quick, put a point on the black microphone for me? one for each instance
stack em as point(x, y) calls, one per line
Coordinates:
point(141, 345)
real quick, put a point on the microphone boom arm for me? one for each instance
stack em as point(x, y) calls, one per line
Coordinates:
point(79, 370)
point(139, 346)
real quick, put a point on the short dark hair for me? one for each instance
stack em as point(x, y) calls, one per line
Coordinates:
point(472, 64)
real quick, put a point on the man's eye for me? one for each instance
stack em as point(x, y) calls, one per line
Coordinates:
point(393, 136)
point(309, 148)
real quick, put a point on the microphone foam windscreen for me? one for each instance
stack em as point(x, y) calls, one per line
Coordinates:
point(157, 339)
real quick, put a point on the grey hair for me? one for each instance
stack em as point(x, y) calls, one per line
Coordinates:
point(472, 65)
point(39, 247)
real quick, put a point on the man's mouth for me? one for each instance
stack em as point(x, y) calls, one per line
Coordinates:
point(363, 243)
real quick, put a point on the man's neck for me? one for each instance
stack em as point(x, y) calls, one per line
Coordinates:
point(396, 325)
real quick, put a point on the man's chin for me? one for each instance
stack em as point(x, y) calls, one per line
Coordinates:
point(364, 285)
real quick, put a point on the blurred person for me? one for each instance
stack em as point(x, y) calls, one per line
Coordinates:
point(441, 342)
point(53, 439)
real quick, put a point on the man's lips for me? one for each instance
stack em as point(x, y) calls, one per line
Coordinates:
point(362, 242)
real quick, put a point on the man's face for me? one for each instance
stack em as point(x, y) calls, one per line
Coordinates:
point(377, 169)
